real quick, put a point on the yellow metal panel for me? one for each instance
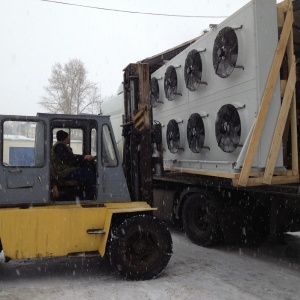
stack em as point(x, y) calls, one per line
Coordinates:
point(58, 230)
point(113, 208)
point(103, 238)
point(49, 231)
point(129, 206)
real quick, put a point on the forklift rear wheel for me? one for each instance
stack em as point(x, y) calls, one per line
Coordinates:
point(199, 218)
point(140, 248)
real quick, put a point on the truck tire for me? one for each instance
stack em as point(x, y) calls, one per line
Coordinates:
point(200, 222)
point(140, 247)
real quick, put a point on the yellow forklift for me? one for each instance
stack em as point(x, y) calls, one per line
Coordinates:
point(41, 216)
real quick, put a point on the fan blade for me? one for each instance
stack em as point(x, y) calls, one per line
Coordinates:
point(197, 75)
point(229, 62)
point(218, 64)
point(199, 132)
point(190, 69)
point(189, 79)
point(168, 91)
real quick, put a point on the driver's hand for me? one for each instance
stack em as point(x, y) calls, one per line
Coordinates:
point(89, 157)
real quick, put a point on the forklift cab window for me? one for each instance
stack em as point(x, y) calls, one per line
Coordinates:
point(23, 144)
point(109, 158)
point(73, 177)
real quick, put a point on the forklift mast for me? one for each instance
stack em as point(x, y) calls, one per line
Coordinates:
point(137, 120)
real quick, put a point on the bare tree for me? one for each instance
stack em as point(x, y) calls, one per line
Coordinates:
point(69, 91)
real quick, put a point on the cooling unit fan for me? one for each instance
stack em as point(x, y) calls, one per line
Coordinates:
point(170, 83)
point(225, 52)
point(228, 128)
point(193, 70)
point(154, 92)
point(173, 136)
point(195, 133)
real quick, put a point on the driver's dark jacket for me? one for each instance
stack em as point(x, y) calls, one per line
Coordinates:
point(63, 160)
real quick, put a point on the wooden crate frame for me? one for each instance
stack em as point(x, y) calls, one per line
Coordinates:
point(285, 45)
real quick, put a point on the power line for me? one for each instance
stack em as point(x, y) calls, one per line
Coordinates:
point(133, 12)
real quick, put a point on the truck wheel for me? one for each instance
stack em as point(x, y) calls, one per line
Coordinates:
point(199, 218)
point(140, 248)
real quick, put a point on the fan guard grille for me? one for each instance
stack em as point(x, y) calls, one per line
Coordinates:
point(154, 92)
point(225, 52)
point(173, 136)
point(193, 70)
point(195, 133)
point(228, 128)
point(170, 83)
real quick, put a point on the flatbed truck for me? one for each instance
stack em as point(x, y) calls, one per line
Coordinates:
point(243, 204)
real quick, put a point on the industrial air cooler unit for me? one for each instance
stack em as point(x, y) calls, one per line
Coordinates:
point(207, 97)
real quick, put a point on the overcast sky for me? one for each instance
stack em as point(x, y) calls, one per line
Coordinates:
point(36, 34)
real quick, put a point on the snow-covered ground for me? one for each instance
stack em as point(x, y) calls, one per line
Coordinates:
point(236, 272)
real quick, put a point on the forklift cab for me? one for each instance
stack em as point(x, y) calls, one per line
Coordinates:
point(27, 177)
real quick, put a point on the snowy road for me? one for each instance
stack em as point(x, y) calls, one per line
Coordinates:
point(270, 272)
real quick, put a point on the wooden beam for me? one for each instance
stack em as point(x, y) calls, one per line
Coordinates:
point(283, 6)
point(282, 87)
point(293, 110)
point(266, 99)
point(294, 135)
point(279, 129)
point(233, 176)
point(275, 180)
point(203, 172)
point(280, 14)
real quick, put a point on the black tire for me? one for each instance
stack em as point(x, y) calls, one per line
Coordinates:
point(140, 248)
point(199, 219)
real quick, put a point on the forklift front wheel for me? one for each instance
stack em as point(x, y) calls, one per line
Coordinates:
point(140, 248)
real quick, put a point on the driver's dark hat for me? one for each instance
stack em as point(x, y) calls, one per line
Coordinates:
point(61, 135)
